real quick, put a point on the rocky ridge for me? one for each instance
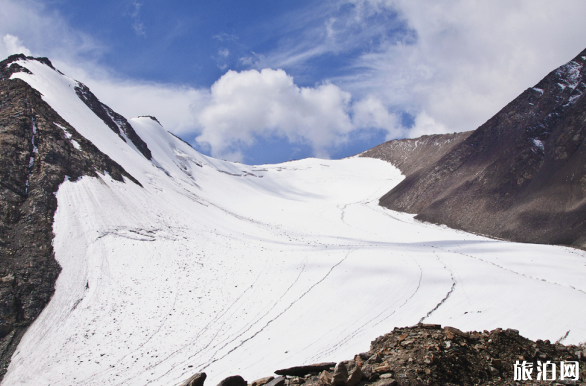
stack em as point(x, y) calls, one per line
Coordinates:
point(426, 354)
point(413, 154)
point(38, 151)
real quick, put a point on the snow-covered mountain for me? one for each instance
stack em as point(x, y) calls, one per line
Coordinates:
point(173, 262)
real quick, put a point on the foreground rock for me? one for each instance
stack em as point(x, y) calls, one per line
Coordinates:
point(432, 355)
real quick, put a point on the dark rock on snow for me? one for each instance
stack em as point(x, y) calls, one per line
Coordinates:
point(235, 380)
point(196, 380)
point(300, 371)
point(116, 122)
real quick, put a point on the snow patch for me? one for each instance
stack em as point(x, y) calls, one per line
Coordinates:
point(570, 73)
point(538, 90)
point(68, 135)
point(538, 143)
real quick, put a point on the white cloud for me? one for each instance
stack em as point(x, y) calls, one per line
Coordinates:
point(268, 103)
point(137, 25)
point(45, 33)
point(426, 125)
point(469, 59)
point(12, 45)
point(370, 112)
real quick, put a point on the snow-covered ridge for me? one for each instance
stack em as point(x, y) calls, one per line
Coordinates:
point(228, 268)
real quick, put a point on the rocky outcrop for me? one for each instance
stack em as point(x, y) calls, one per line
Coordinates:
point(38, 151)
point(432, 355)
point(521, 176)
point(196, 380)
point(116, 122)
point(412, 154)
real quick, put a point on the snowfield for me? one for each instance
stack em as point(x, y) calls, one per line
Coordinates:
point(234, 269)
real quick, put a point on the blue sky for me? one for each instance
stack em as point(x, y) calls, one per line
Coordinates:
point(268, 81)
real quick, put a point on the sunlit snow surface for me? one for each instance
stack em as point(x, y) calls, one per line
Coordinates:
point(233, 269)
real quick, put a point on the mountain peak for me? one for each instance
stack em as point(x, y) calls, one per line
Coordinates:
point(520, 176)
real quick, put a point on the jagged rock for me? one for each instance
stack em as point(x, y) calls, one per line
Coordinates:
point(374, 359)
point(451, 332)
point(368, 373)
point(234, 380)
point(325, 378)
point(279, 381)
point(354, 373)
point(300, 371)
point(116, 122)
point(340, 374)
point(195, 380)
point(262, 381)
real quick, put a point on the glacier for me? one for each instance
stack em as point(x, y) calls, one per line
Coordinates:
point(236, 269)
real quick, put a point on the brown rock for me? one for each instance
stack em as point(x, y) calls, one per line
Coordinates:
point(262, 381)
point(430, 326)
point(325, 378)
point(455, 331)
point(376, 358)
point(279, 381)
point(384, 368)
point(195, 380)
point(354, 374)
point(340, 374)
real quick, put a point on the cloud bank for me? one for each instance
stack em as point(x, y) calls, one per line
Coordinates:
point(267, 103)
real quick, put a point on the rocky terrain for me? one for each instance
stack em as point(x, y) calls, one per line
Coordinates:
point(413, 154)
point(521, 176)
point(426, 354)
point(38, 151)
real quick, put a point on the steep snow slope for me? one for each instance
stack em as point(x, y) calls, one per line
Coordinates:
point(233, 269)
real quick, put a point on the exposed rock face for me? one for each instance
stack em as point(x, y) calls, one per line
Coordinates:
point(412, 154)
point(429, 355)
point(521, 176)
point(116, 122)
point(38, 149)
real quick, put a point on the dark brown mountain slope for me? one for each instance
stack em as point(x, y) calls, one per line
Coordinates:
point(410, 155)
point(520, 176)
point(37, 152)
